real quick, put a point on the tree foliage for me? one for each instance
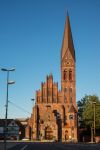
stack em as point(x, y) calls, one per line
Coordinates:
point(86, 110)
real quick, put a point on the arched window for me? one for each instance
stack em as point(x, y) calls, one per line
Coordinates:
point(65, 89)
point(70, 75)
point(65, 75)
point(70, 99)
point(70, 89)
point(65, 99)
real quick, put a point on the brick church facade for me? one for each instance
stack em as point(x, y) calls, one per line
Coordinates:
point(54, 115)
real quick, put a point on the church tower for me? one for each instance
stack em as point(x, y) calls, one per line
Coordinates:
point(68, 65)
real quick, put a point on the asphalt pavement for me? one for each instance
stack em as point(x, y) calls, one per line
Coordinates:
point(50, 146)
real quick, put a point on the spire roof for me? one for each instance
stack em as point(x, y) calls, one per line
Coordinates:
point(67, 40)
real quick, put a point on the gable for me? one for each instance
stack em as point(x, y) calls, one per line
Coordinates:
point(67, 60)
point(72, 109)
point(13, 123)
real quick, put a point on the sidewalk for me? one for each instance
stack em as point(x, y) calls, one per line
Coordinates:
point(9, 144)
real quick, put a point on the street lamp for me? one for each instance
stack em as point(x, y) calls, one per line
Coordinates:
point(94, 105)
point(32, 99)
point(6, 114)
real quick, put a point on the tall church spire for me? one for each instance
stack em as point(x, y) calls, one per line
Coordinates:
point(67, 40)
point(68, 78)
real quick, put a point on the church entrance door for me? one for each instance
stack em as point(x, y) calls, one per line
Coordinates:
point(48, 133)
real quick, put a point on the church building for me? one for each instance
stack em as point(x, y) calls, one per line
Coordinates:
point(54, 116)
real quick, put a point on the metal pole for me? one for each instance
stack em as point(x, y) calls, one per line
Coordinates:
point(91, 134)
point(94, 118)
point(6, 114)
point(5, 142)
point(32, 99)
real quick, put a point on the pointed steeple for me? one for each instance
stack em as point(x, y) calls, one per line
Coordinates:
point(67, 40)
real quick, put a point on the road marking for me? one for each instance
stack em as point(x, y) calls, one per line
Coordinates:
point(24, 147)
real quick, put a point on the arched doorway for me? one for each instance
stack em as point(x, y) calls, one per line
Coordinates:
point(66, 135)
point(48, 133)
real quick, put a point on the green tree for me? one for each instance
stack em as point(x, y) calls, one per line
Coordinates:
point(86, 110)
point(88, 113)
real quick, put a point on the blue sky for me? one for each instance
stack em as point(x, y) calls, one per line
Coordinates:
point(31, 33)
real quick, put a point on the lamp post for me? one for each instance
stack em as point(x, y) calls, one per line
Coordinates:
point(94, 109)
point(6, 114)
point(32, 99)
point(94, 104)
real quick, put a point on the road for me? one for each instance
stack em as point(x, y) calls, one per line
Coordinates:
point(51, 146)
